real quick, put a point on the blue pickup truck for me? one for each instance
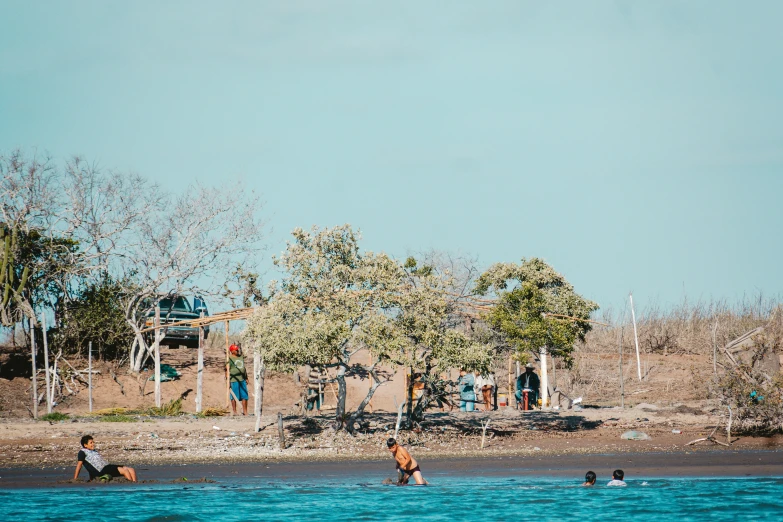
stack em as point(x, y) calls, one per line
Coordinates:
point(175, 309)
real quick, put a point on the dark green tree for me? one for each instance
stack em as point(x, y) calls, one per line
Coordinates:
point(526, 294)
point(95, 314)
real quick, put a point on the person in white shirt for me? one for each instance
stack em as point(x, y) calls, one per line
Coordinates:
point(484, 386)
point(617, 478)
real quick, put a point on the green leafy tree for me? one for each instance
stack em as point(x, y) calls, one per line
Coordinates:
point(526, 294)
point(426, 318)
point(95, 314)
point(333, 302)
point(336, 300)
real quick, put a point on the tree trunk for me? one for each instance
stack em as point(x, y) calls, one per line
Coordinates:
point(421, 405)
point(355, 416)
point(341, 395)
point(140, 350)
point(409, 399)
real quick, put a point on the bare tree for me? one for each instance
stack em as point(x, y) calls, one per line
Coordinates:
point(27, 199)
point(91, 222)
point(191, 246)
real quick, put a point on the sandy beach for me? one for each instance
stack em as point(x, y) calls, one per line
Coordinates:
point(548, 443)
point(699, 463)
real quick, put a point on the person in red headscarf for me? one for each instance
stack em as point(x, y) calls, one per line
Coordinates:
point(236, 372)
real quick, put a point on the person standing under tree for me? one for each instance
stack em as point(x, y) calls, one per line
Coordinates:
point(483, 387)
point(236, 372)
point(467, 395)
point(528, 381)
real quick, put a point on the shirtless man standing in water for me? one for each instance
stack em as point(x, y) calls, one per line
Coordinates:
point(405, 463)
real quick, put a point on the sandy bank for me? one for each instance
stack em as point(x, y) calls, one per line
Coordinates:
point(700, 463)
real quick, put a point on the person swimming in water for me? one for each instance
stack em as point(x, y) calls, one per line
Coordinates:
point(589, 478)
point(617, 478)
point(406, 465)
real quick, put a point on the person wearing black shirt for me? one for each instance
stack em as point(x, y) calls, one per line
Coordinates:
point(96, 465)
point(528, 381)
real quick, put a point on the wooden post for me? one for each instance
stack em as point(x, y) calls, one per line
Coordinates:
point(280, 431)
point(510, 385)
point(200, 371)
point(544, 379)
point(89, 374)
point(46, 364)
point(35, 378)
point(636, 339)
point(320, 394)
point(228, 380)
point(622, 380)
point(157, 356)
point(715, 349)
point(409, 393)
point(258, 388)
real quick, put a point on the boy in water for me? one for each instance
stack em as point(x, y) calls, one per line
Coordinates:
point(617, 478)
point(589, 478)
point(405, 463)
point(96, 465)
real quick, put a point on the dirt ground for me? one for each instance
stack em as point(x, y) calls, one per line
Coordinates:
point(188, 439)
point(669, 405)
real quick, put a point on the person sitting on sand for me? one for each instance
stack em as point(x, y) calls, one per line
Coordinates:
point(237, 374)
point(96, 466)
point(405, 463)
point(617, 478)
point(589, 478)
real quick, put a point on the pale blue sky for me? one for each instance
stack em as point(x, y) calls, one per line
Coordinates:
point(633, 145)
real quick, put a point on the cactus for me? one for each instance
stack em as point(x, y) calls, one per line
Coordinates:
point(7, 266)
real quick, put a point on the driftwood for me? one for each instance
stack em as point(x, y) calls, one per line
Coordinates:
point(711, 436)
point(484, 427)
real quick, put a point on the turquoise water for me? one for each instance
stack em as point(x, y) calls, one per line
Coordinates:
point(449, 498)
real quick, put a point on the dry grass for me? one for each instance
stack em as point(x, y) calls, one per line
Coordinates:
point(676, 351)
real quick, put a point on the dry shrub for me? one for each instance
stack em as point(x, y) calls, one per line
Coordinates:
point(691, 331)
point(751, 390)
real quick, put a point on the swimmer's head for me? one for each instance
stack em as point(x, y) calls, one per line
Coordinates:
point(618, 474)
point(590, 477)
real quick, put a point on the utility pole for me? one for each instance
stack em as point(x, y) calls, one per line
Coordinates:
point(636, 339)
point(200, 371)
point(622, 382)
